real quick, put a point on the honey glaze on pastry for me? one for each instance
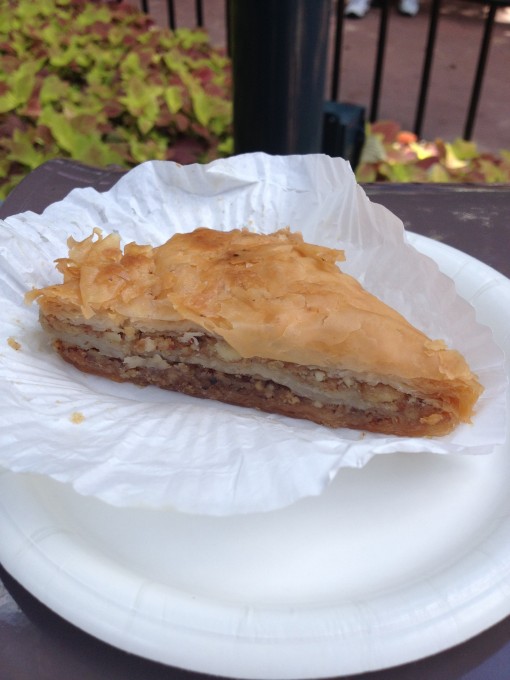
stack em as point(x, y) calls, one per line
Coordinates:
point(265, 321)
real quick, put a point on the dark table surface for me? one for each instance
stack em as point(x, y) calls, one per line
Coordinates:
point(36, 644)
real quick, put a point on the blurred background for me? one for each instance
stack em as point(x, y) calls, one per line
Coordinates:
point(459, 36)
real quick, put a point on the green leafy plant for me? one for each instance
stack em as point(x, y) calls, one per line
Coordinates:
point(100, 83)
point(394, 155)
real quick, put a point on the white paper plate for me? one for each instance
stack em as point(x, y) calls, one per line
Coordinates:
point(394, 562)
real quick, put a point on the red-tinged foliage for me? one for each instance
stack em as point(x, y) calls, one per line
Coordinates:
point(391, 154)
point(100, 83)
point(405, 137)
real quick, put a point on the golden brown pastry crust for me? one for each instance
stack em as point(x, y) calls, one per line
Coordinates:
point(267, 298)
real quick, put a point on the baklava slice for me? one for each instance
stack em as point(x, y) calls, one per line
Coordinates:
point(264, 321)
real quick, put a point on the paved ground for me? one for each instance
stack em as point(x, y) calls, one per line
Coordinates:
point(458, 42)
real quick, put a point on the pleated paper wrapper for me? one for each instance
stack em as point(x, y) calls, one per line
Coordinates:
point(145, 447)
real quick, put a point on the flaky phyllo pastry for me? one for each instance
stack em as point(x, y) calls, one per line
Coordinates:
point(258, 320)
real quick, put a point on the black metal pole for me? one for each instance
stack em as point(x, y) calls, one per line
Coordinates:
point(480, 70)
point(379, 61)
point(279, 51)
point(427, 66)
point(171, 14)
point(337, 50)
point(199, 12)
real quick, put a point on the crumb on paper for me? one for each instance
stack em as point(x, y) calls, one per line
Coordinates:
point(77, 417)
point(12, 342)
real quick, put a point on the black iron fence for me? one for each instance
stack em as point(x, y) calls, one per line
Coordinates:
point(170, 9)
point(491, 5)
point(341, 122)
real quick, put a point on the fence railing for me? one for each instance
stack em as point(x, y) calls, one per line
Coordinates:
point(170, 8)
point(337, 47)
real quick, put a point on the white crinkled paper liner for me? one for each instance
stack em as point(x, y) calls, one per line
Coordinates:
point(134, 446)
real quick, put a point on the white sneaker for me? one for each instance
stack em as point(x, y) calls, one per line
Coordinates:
point(409, 7)
point(357, 9)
